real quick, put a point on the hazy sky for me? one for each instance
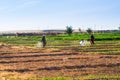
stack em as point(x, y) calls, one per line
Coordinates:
point(57, 14)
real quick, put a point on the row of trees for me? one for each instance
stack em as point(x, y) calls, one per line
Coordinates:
point(69, 30)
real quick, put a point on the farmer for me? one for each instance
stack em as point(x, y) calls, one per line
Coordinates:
point(43, 41)
point(92, 39)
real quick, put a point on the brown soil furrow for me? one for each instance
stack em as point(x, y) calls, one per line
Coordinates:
point(41, 60)
point(57, 58)
point(25, 56)
point(51, 68)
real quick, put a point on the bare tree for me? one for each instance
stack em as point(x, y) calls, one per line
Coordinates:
point(119, 27)
point(80, 30)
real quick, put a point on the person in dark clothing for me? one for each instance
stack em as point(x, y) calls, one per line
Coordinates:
point(92, 39)
point(43, 41)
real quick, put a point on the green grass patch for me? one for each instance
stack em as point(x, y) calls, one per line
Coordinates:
point(101, 77)
point(89, 77)
point(58, 78)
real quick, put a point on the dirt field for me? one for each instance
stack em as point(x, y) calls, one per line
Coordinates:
point(49, 62)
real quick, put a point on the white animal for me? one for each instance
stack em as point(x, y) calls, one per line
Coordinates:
point(82, 43)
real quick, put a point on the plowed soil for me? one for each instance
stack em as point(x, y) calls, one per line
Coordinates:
point(49, 62)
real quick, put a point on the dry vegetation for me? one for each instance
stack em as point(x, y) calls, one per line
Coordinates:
point(24, 62)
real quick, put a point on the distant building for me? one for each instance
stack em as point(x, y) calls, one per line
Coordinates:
point(54, 31)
